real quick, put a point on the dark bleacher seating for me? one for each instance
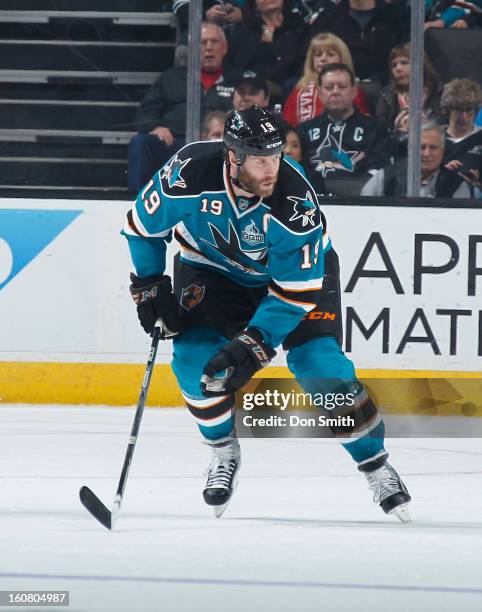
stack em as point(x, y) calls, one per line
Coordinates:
point(455, 53)
point(72, 74)
point(128, 6)
point(345, 187)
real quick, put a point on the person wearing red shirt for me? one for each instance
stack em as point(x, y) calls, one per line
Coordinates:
point(304, 102)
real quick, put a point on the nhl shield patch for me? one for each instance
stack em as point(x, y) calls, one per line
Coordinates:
point(191, 296)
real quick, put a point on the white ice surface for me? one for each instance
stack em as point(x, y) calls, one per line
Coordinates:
point(300, 534)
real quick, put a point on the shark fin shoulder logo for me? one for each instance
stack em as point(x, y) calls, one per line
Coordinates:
point(172, 172)
point(304, 209)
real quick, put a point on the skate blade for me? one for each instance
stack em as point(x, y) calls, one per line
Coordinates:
point(218, 510)
point(402, 513)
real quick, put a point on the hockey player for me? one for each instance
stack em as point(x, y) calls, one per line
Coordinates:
point(255, 258)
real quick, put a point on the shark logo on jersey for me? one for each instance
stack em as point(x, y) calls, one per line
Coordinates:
point(230, 248)
point(330, 155)
point(304, 209)
point(252, 235)
point(172, 172)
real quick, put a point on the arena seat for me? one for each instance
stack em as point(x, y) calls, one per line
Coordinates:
point(72, 74)
point(455, 53)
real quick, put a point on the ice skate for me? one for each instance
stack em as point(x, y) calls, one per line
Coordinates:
point(222, 475)
point(389, 491)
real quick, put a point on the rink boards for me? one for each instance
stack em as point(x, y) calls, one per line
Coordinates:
point(411, 283)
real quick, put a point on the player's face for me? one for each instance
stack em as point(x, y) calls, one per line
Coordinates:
point(245, 97)
point(258, 175)
point(323, 56)
point(337, 92)
point(213, 48)
point(432, 151)
point(401, 70)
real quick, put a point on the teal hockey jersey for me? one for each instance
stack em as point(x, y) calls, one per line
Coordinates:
point(276, 241)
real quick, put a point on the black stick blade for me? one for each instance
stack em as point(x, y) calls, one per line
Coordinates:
point(96, 507)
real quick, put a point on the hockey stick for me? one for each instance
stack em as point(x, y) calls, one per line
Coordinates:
point(88, 497)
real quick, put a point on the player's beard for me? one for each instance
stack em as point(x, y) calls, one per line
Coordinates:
point(255, 186)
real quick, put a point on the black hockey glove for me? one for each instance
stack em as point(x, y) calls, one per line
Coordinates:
point(236, 363)
point(155, 300)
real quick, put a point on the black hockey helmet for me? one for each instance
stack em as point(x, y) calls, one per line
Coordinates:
point(254, 131)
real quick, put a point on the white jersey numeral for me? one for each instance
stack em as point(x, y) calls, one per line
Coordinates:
point(213, 206)
point(152, 203)
point(306, 248)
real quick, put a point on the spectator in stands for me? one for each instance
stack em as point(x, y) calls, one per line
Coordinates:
point(370, 28)
point(304, 102)
point(224, 13)
point(436, 180)
point(393, 104)
point(449, 14)
point(342, 141)
point(161, 117)
point(472, 17)
point(212, 127)
point(251, 89)
point(310, 10)
point(269, 42)
point(461, 100)
point(293, 145)
point(219, 12)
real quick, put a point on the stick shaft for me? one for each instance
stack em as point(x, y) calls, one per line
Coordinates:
point(137, 419)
